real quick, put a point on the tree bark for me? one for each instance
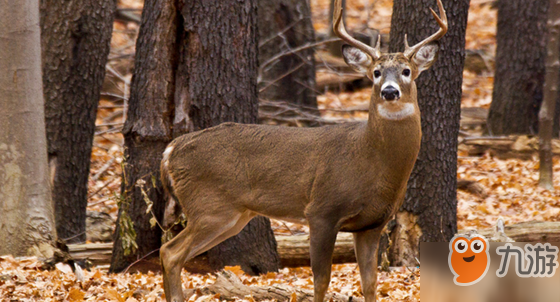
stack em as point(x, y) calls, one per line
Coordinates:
point(520, 68)
point(75, 40)
point(207, 59)
point(147, 129)
point(285, 25)
point(190, 74)
point(546, 114)
point(430, 207)
point(335, 48)
point(26, 214)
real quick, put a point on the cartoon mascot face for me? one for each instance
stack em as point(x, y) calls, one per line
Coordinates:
point(469, 259)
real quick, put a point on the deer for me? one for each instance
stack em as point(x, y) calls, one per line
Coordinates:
point(348, 177)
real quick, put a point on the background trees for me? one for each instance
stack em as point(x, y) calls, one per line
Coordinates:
point(283, 26)
point(430, 207)
point(548, 107)
point(520, 70)
point(75, 38)
point(191, 74)
point(26, 213)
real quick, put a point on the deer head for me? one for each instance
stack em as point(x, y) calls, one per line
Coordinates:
point(393, 74)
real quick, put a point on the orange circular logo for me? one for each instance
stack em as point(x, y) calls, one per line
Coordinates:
point(469, 259)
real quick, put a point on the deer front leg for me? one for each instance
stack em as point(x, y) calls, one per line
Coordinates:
point(365, 246)
point(322, 238)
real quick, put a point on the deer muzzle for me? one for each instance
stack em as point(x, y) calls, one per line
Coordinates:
point(390, 93)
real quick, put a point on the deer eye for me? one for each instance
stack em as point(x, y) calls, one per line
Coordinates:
point(406, 72)
point(377, 73)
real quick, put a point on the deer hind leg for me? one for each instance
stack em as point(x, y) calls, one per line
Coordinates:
point(201, 234)
point(365, 246)
point(322, 238)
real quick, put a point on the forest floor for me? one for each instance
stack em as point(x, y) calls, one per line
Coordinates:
point(505, 186)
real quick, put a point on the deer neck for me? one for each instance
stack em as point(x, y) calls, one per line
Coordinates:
point(395, 136)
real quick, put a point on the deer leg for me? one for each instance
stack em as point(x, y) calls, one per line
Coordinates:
point(365, 246)
point(322, 238)
point(196, 238)
point(239, 225)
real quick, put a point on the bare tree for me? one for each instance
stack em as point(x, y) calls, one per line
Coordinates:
point(546, 114)
point(429, 212)
point(75, 38)
point(285, 25)
point(26, 213)
point(195, 67)
point(520, 68)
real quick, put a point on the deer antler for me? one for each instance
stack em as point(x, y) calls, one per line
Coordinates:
point(410, 51)
point(339, 30)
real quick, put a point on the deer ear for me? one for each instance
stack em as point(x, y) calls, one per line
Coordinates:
point(426, 56)
point(357, 59)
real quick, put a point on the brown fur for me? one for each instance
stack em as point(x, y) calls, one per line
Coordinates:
point(349, 177)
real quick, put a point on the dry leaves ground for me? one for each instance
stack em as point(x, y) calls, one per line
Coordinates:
point(510, 186)
point(23, 279)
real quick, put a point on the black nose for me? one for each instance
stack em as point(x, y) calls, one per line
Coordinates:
point(390, 93)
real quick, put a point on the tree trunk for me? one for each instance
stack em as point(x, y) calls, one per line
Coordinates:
point(189, 75)
point(335, 48)
point(208, 60)
point(546, 114)
point(147, 130)
point(430, 207)
point(285, 25)
point(26, 214)
point(75, 40)
point(520, 68)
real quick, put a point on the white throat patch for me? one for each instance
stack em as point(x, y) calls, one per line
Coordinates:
point(406, 110)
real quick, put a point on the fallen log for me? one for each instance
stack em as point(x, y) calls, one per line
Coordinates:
point(229, 287)
point(294, 249)
point(532, 231)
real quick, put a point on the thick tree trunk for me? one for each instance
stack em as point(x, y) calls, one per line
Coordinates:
point(147, 129)
point(430, 207)
point(216, 82)
point(520, 68)
point(189, 75)
point(546, 114)
point(26, 214)
point(75, 40)
point(285, 25)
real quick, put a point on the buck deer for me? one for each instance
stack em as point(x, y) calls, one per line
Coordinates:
point(349, 177)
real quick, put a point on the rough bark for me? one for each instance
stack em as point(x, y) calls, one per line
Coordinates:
point(75, 41)
point(429, 210)
point(223, 55)
point(147, 129)
point(546, 114)
point(285, 25)
point(191, 74)
point(520, 68)
point(26, 214)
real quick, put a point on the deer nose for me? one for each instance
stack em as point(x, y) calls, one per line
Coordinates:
point(390, 93)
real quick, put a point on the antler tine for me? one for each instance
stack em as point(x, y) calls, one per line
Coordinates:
point(410, 51)
point(340, 31)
